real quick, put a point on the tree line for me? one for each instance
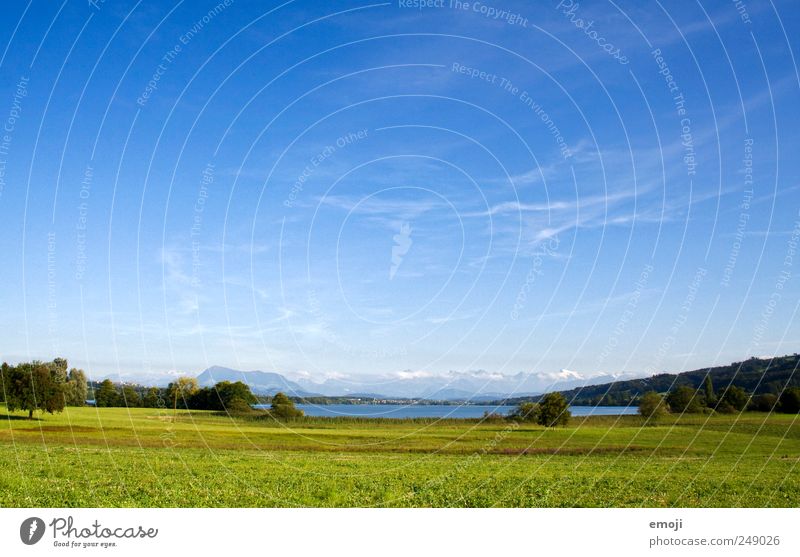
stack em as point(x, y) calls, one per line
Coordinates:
point(49, 386)
point(684, 399)
point(185, 393)
point(754, 375)
point(42, 386)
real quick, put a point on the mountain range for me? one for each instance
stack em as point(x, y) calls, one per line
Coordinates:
point(454, 385)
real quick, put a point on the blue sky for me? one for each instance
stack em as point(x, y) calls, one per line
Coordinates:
point(352, 188)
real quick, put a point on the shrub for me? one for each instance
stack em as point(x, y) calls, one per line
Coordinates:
point(652, 405)
point(283, 407)
point(684, 399)
point(735, 397)
point(789, 401)
point(238, 406)
point(526, 412)
point(724, 407)
point(764, 403)
point(492, 417)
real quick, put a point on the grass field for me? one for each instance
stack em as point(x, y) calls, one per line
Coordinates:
point(115, 457)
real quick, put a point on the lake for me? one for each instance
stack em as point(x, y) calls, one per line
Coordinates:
point(438, 410)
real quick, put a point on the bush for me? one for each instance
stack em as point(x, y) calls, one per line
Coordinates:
point(283, 407)
point(652, 405)
point(735, 397)
point(724, 407)
point(764, 403)
point(684, 399)
point(789, 401)
point(492, 417)
point(554, 410)
point(238, 406)
point(526, 412)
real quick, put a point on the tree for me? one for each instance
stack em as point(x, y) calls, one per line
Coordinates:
point(76, 388)
point(526, 412)
point(34, 386)
point(708, 387)
point(223, 396)
point(235, 396)
point(151, 398)
point(684, 399)
point(183, 388)
point(734, 397)
point(106, 394)
point(5, 374)
point(652, 405)
point(789, 401)
point(554, 410)
point(283, 407)
point(131, 397)
point(766, 402)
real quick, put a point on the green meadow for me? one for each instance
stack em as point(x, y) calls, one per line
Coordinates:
point(118, 457)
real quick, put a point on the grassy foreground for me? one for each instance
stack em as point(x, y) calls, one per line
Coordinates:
point(115, 457)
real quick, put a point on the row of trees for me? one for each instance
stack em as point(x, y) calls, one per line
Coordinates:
point(182, 393)
point(50, 386)
point(42, 386)
point(731, 399)
point(185, 393)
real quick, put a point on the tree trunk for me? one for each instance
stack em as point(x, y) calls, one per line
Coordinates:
point(30, 414)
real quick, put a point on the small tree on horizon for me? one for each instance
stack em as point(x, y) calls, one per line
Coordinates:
point(554, 410)
point(283, 407)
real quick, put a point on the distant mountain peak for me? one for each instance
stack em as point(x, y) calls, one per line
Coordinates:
point(260, 382)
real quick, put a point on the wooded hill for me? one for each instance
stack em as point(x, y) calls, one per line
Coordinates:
point(755, 375)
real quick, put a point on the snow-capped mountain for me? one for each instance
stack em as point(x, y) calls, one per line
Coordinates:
point(454, 385)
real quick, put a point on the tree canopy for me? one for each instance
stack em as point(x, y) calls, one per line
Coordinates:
point(35, 386)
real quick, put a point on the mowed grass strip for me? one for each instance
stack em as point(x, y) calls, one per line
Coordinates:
point(144, 457)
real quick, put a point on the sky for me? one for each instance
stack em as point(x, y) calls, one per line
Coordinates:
point(334, 189)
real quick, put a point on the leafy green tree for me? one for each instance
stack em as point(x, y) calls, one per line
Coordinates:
point(182, 388)
point(238, 391)
point(151, 398)
point(526, 412)
point(34, 386)
point(684, 399)
point(554, 410)
point(652, 405)
point(283, 407)
point(222, 396)
point(130, 397)
point(5, 373)
point(735, 397)
point(708, 388)
point(76, 389)
point(789, 401)
point(107, 395)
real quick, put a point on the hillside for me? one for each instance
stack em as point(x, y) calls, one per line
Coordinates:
point(754, 375)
